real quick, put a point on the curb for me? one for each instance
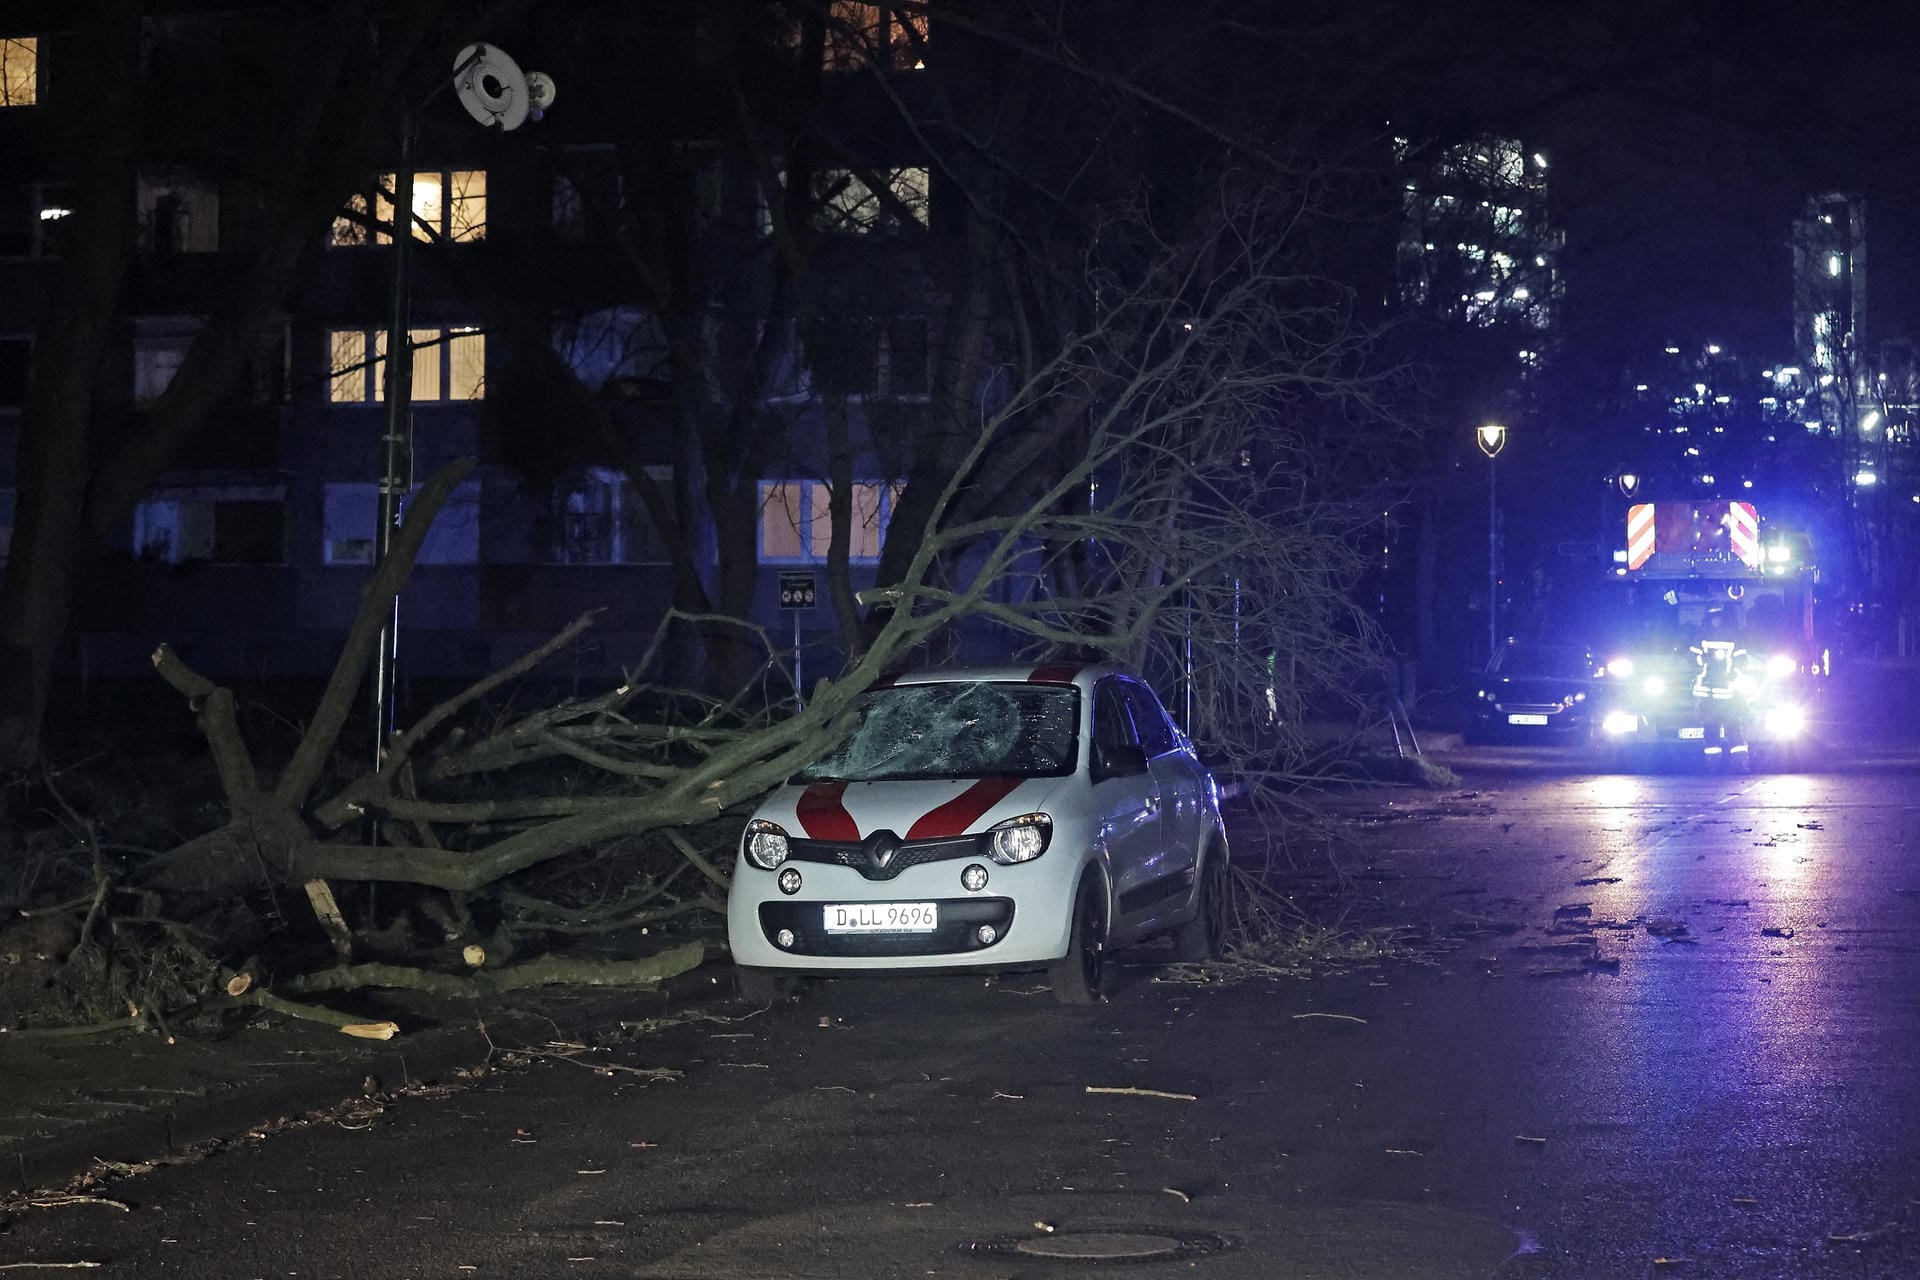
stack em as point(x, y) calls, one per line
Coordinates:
point(170, 1130)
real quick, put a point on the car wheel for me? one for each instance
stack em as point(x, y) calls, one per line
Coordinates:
point(1077, 977)
point(763, 986)
point(1200, 939)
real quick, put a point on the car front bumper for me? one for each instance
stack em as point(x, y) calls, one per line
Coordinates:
point(1027, 907)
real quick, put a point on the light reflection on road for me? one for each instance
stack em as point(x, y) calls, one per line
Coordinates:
point(1720, 1026)
point(1780, 804)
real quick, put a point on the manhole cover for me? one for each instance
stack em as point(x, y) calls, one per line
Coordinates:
point(1100, 1246)
point(1111, 1244)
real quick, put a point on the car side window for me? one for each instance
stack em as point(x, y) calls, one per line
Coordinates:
point(1112, 727)
point(1149, 719)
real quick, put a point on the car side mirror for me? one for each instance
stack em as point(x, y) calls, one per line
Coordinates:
point(1124, 761)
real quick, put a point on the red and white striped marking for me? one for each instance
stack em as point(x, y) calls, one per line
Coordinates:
point(1743, 523)
point(1640, 534)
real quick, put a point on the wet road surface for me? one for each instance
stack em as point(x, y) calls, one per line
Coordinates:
point(1654, 1026)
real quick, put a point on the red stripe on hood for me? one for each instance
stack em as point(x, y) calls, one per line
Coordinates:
point(821, 814)
point(1059, 673)
point(961, 812)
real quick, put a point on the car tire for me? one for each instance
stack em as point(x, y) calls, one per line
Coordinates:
point(763, 986)
point(1201, 938)
point(1078, 977)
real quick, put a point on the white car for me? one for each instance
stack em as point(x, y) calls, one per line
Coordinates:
point(985, 818)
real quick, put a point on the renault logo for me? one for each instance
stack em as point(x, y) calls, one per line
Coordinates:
point(880, 849)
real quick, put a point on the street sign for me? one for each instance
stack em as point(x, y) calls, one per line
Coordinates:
point(798, 589)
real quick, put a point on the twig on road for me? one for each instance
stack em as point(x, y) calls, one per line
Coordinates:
point(1131, 1092)
point(24, 1266)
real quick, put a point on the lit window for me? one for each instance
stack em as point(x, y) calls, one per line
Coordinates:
point(228, 524)
point(796, 522)
point(781, 520)
point(448, 204)
point(860, 35)
point(19, 71)
point(448, 364)
point(351, 514)
point(601, 518)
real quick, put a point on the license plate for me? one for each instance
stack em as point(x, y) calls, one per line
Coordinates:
point(1693, 733)
point(1526, 719)
point(882, 917)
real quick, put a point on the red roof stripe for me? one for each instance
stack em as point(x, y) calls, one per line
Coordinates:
point(965, 809)
point(1058, 673)
point(822, 815)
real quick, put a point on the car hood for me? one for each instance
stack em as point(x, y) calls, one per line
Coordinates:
point(914, 809)
point(1536, 689)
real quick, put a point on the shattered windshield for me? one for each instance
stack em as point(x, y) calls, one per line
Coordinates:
point(958, 729)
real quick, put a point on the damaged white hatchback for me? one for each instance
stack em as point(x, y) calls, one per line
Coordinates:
point(986, 818)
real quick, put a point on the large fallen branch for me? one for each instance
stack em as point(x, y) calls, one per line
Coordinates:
point(546, 971)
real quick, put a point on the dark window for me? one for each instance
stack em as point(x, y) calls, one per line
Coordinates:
point(1111, 725)
point(249, 532)
point(1149, 718)
point(906, 356)
point(15, 354)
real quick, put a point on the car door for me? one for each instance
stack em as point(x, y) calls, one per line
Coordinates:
point(1182, 784)
point(1128, 802)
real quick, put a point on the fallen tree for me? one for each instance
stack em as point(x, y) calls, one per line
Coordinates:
point(1193, 515)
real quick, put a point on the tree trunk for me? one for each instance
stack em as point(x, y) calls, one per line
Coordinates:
point(50, 542)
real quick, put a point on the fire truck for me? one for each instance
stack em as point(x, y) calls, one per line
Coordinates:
point(1709, 641)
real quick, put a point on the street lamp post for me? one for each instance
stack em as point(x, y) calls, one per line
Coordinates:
point(1492, 438)
point(495, 92)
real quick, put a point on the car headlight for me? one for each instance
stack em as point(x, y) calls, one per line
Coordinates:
point(1653, 685)
point(765, 844)
point(1020, 839)
point(1619, 723)
point(1622, 667)
point(1786, 721)
point(1746, 683)
point(1782, 665)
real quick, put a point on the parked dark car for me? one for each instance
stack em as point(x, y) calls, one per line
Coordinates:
point(1534, 691)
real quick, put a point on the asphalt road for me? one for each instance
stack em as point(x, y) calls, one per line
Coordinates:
point(1655, 1026)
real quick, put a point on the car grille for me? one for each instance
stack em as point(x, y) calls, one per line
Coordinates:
point(909, 853)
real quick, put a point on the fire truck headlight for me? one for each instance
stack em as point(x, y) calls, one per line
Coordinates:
point(1782, 665)
point(1653, 685)
point(1579, 695)
point(1746, 683)
point(1785, 722)
point(1619, 723)
point(1622, 667)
